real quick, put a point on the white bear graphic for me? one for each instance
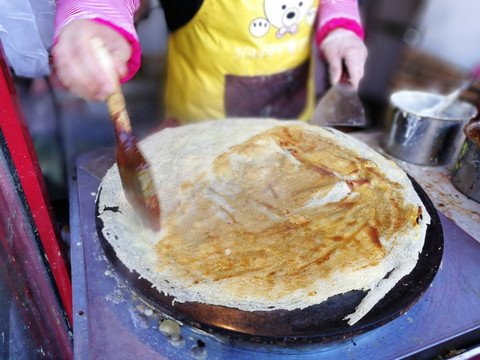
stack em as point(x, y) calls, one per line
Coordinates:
point(285, 15)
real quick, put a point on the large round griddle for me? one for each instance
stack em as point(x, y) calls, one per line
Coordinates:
point(318, 323)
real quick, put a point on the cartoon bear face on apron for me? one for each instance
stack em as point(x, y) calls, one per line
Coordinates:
point(242, 59)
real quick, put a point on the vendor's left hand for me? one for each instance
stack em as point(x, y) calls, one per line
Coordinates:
point(344, 45)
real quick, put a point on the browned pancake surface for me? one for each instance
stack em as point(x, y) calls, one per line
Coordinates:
point(255, 223)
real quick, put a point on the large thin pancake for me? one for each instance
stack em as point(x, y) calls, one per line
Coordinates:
point(266, 214)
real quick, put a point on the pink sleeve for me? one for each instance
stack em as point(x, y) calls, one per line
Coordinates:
point(338, 13)
point(476, 72)
point(118, 14)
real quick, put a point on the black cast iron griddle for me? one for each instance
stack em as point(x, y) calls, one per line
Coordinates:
point(318, 323)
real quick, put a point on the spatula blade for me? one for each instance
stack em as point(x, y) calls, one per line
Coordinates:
point(135, 173)
point(340, 106)
point(137, 181)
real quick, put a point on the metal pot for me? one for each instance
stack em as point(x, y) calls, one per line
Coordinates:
point(422, 139)
point(466, 173)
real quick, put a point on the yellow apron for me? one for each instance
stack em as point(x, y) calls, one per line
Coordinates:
point(242, 59)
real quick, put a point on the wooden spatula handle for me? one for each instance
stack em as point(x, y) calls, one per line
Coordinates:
point(115, 101)
point(118, 112)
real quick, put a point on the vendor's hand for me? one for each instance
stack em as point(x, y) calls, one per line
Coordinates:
point(344, 45)
point(76, 64)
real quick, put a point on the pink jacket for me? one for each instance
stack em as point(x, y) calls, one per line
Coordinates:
point(118, 14)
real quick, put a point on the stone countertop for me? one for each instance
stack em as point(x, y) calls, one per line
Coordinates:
point(436, 182)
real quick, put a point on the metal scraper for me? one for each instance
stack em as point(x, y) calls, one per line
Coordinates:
point(340, 106)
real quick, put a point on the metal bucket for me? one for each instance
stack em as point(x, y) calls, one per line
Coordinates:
point(422, 139)
point(466, 173)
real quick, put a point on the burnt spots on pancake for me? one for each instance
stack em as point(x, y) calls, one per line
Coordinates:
point(419, 216)
point(112, 208)
point(374, 236)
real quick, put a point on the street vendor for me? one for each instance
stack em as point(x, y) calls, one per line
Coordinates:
point(225, 59)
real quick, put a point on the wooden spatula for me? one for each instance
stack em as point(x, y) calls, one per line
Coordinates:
point(135, 173)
